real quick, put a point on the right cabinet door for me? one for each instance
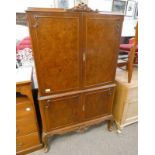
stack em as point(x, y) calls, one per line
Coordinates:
point(101, 42)
point(98, 103)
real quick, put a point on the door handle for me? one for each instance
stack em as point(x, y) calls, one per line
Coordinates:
point(84, 56)
point(83, 108)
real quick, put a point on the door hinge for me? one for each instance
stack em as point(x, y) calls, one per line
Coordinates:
point(109, 92)
point(47, 104)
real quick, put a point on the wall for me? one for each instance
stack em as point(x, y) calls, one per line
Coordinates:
point(103, 5)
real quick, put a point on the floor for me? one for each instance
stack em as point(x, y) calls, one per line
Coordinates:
point(95, 141)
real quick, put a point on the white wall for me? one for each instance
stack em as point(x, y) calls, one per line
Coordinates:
point(22, 5)
point(103, 5)
point(129, 27)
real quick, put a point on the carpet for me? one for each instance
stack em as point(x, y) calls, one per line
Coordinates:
point(97, 140)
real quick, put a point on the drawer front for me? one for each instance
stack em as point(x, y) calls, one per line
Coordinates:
point(25, 126)
point(132, 110)
point(98, 103)
point(24, 110)
point(25, 142)
point(61, 112)
point(132, 95)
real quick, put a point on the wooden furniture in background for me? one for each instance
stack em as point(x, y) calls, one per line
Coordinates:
point(75, 54)
point(27, 132)
point(132, 55)
point(125, 108)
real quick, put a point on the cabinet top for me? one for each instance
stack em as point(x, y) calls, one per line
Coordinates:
point(61, 10)
point(23, 75)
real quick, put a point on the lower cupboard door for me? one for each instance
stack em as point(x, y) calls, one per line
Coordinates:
point(60, 112)
point(27, 141)
point(98, 103)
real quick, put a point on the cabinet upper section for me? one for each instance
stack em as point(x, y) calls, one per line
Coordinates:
point(73, 50)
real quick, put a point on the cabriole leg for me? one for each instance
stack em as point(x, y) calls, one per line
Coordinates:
point(45, 142)
point(110, 125)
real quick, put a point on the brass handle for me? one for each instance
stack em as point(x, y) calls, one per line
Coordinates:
point(84, 56)
point(83, 108)
point(19, 144)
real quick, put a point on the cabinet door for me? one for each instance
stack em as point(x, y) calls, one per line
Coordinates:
point(27, 142)
point(101, 42)
point(98, 103)
point(61, 112)
point(56, 47)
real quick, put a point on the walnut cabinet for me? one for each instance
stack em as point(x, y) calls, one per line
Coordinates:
point(75, 56)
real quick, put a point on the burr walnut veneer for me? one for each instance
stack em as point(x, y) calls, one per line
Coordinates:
point(75, 56)
point(27, 131)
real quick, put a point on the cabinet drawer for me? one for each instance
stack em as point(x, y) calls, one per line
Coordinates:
point(132, 110)
point(25, 142)
point(132, 95)
point(24, 110)
point(25, 126)
point(98, 103)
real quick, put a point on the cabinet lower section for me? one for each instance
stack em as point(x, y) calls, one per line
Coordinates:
point(73, 112)
point(28, 143)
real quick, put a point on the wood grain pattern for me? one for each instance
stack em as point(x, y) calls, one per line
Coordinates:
point(25, 118)
point(67, 109)
point(101, 42)
point(98, 103)
point(75, 57)
point(57, 55)
point(25, 126)
point(21, 104)
point(27, 141)
point(125, 108)
point(27, 131)
point(75, 109)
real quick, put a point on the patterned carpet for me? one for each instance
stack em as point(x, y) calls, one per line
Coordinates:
point(95, 141)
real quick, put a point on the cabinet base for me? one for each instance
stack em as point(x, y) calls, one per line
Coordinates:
point(120, 126)
point(29, 150)
point(78, 127)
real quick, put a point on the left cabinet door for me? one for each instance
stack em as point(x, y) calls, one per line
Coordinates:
point(60, 112)
point(56, 45)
